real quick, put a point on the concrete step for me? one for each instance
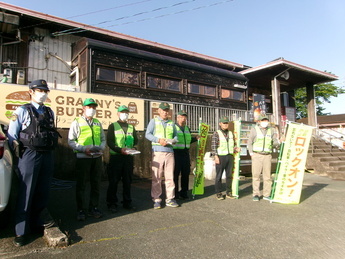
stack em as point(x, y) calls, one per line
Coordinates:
point(337, 163)
point(330, 159)
point(334, 151)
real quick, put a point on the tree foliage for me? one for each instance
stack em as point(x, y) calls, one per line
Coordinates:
point(323, 93)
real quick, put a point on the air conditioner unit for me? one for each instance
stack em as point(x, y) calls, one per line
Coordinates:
point(8, 75)
point(21, 77)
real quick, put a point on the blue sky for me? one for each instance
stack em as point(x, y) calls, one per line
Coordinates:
point(250, 32)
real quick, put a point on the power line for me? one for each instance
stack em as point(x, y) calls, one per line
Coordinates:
point(98, 11)
point(112, 8)
point(79, 30)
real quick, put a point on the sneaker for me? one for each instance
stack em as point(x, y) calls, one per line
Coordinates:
point(219, 196)
point(171, 203)
point(267, 198)
point(256, 198)
point(230, 196)
point(81, 215)
point(157, 205)
point(112, 208)
point(96, 213)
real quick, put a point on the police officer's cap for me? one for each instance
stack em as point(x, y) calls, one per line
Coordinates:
point(123, 108)
point(89, 101)
point(40, 84)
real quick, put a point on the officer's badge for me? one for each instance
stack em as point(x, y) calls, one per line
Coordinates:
point(14, 117)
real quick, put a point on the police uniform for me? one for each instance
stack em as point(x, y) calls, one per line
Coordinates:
point(32, 127)
point(120, 135)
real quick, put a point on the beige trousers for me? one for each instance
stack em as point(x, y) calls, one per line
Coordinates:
point(261, 164)
point(163, 164)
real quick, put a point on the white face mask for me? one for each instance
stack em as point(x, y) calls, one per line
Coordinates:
point(264, 124)
point(90, 112)
point(40, 97)
point(123, 116)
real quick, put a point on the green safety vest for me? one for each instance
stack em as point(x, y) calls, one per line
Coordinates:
point(263, 143)
point(161, 132)
point(123, 140)
point(89, 135)
point(225, 146)
point(183, 138)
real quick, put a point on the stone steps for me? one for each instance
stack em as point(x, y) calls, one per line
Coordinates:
point(326, 160)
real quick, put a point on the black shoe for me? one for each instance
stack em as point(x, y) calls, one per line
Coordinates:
point(129, 207)
point(96, 213)
point(184, 197)
point(112, 208)
point(81, 215)
point(220, 196)
point(20, 241)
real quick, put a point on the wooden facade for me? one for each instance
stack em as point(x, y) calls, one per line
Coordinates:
point(142, 66)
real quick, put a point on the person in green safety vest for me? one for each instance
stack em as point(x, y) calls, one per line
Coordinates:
point(262, 138)
point(223, 147)
point(121, 137)
point(161, 132)
point(86, 138)
point(181, 155)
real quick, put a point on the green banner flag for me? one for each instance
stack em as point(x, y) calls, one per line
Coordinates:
point(198, 187)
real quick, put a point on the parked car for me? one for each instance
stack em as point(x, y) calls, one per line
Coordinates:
point(6, 171)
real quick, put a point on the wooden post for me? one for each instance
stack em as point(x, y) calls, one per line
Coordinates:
point(276, 104)
point(312, 119)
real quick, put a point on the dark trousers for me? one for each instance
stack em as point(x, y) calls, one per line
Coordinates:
point(182, 166)
point(35, 174)
point(120, 168)
point(88, 168)
point(225, 163)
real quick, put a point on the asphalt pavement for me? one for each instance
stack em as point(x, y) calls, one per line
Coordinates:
point(200, 228)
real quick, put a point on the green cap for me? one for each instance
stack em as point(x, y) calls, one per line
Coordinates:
point(123, 108)
point(89, 101)
point(164, 106)
point(224, 119)
point(263, 117)
point(183, 112)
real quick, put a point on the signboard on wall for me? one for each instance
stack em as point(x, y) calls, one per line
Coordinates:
point(259, 106)
point(154, 110)
point(68, 105)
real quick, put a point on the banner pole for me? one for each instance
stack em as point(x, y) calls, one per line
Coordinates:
point(278, 166)
point(196, 167)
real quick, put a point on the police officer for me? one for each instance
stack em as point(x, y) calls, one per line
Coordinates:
point(121, 138)
point(181, 155)
point(33, 136)
point(86, 137)
point(223, 148)
point(261, 140)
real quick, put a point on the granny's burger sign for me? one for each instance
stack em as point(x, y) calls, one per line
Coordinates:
point(68, 105)
point(17, 99)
